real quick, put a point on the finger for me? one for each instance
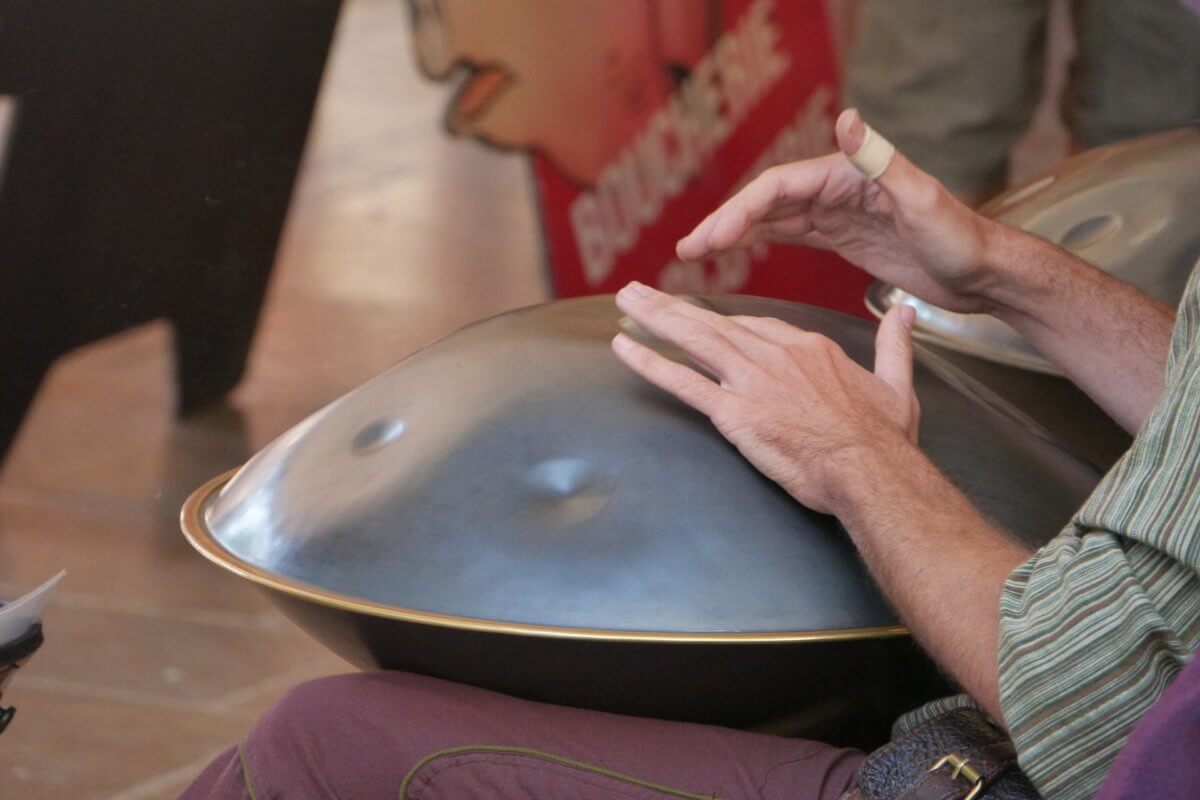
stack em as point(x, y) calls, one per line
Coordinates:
point(790, 230)
point(793, 209)
point(816, 239)
point(786, 230)
point(722, 229)
point(773, 330)
point(670, 376)
point(893, 349)
point(798, 230)
point(720, 346)
point(867, 150)
point(789, 184)
point(792, 223)
point(876, 158)
point(694, 246)
point(744, 340)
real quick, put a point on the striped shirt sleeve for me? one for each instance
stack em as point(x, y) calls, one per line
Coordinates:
point(1093, 630)
point(1097, 623)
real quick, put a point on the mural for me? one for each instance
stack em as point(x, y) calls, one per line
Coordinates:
point(639, 117)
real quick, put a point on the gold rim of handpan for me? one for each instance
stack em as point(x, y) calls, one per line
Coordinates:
point(197, 533)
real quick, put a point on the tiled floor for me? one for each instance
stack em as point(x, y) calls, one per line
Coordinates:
point(155, 659)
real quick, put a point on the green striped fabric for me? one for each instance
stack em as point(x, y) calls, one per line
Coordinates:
point(1098, 622)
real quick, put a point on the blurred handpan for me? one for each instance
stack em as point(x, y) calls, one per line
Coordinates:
point(1132, 209)
point(512, 508)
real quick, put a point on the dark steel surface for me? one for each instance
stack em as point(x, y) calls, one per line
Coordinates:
point(1054, 403)
point(844, 692)
point(516, 472)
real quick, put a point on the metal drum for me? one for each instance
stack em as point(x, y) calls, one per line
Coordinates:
point(512, 508)
point(1129, 208)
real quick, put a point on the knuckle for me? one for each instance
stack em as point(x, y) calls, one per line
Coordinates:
point(731, 413)
point(776, 352)
point(775, 347)
point(658, 301)
point(779, 326)
point(704, 337)
point(926, 196)
point(772, 176)
point(773, 183)
point(698, 334)
point(778, 183)
point(820, 343)
point(746, 218)
point(644, 359)
point(711, 396)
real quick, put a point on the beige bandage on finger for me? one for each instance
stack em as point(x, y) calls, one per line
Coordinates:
point(875, 155)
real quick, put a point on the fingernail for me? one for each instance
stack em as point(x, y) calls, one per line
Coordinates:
point(857, 126)
point(908, 315)
point(849, 128)
point(621, 342)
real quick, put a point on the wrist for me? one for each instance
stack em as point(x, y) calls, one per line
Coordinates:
point(860, 477)
point(1021, 270)
point(999, 269)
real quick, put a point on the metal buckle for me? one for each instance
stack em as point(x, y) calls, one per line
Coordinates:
point(962, 769)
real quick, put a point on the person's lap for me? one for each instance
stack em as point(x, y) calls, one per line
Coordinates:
point(393, 735)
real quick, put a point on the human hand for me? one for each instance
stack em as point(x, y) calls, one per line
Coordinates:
point(791, 401)
point(903, 227)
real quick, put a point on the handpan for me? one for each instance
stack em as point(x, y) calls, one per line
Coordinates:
point(512, 508)
point(1129, 208)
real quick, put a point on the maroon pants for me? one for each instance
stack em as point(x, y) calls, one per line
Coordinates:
point(392, 736)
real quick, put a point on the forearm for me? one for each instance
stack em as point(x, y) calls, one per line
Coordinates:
point(1108, 337)
point(940, 563)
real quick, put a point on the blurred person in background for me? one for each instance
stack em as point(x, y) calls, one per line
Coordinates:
point(954, 84)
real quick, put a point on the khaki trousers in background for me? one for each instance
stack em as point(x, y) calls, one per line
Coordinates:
point(954, 83)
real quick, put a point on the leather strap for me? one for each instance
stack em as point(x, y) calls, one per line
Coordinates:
point(953, 756)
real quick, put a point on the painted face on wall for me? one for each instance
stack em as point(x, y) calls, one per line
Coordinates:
point(573, 81)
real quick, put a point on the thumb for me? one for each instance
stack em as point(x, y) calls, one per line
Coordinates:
point(893, 350)
point(877, 159)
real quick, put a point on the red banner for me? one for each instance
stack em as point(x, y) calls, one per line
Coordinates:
point(641, 116)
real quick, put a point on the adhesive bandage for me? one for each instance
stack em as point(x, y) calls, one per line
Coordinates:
point(875, 155)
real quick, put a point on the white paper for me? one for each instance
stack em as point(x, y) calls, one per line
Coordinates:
point(17, 617)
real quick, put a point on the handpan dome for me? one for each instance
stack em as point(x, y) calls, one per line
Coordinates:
point(512, 507)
